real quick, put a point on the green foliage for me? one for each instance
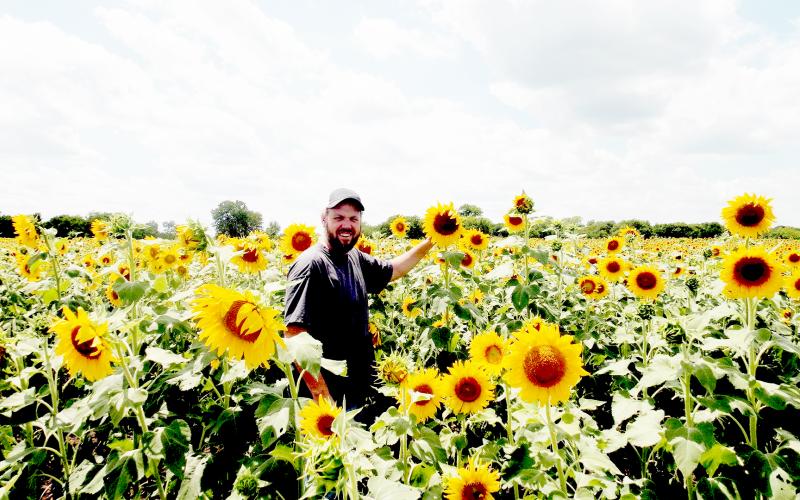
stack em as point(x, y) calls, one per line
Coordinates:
point(599, 229)
point(415, 231)
point(168, 230)
point(467, 210)
point(485, 225)
point(232, 218)
point(273, 229)
point(6, 227)
point(149, 228)
point(784, 232)
point(70, 226)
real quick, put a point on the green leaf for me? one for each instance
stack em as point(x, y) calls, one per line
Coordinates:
point(770, 395)
point(283, 452)
point(190, 487)
point(705, 376)
point(462, 312)
point(161, 285)
point(384, 488)
point(646, 429)
point(130, 292)
point(175, 439)
point(306, 351)
point(335, 366)
point(687, 455)
point(78, 476)
point(236, 371)
point(519, 297)
point(453, 258)
point(717, 455)
point(758, 468)
point(274, 421)
point(163, 357)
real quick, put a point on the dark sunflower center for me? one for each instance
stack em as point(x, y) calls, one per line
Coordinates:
point(114, 295)
point(468, 389)
point(600, 288)
point(250, 255)
point(169, 259)
point(425, 389)
point(474, 491)
point(493, 354)
point(238, 328)
point(750, 215)
point(87, 349)
point(445, 224)
point(613, 267)
point(476, 239)
point(751, 271)
point(796, 284)
point(587, 286)
point(592, 260)
point(646, 280)
point(301, 241)
point(514, 220)
point(544, 366)
point(324, 423)
point(794, 258)
point(613, 245)
point(467, 260)
point(400, 227)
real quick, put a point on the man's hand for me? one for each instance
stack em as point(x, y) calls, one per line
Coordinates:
point(316, 386)
point(402, 264)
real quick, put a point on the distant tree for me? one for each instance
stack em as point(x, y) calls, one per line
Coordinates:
point(644, 227)
point(784, 232)
point(599, 229)
point(273, 229)
point(414, 223)
point(467, 210)
point(232, 218)
point(168, 230)
point(141, 231)
point(485, 225)
point(6, 227)
point(708, 230)
point(69, 226)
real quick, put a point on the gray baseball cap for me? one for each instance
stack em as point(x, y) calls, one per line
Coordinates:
point(343, 194)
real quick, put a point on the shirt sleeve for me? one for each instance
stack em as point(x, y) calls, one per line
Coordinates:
point(299, 297)
point(377, 272)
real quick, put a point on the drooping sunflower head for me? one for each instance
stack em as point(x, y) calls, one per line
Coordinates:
point(409, 308)
point(475, 239)
point(544, 365)
point(426, 402)
point(467, 387)
point(488, 350)
point(237, 323)
point(25, 230)
point(751, 272)
point(399, 227)
point(646, 282)
point(82, 344)
point(442, 224)
point(476, 481)
point(366, 246)
point(100, 229)
point(251, 259)
point(514, 223)
point(792, 285)
point(297, 238)
point(468, 260)
point(748, 215)
point(317, 417)
point(523, 204)
point(628, 232)
point(393, 369)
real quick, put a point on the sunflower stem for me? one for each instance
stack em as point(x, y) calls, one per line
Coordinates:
point(554, 444)
point(404, 438)
point(510, 429)
point(287, 371)
point(687, 410)
point(56, 267)
point(51, 375)
point(752, 366)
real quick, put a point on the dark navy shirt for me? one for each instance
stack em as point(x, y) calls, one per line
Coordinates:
point(327, 296)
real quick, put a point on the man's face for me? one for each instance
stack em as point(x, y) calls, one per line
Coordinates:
point(342, 226)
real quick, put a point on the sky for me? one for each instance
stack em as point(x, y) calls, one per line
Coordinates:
point(610, 110)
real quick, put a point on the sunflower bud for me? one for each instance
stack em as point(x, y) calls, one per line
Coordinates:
point(646, 311)
point(693, 284)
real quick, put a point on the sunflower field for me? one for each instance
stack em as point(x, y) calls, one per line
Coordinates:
point(511, 367)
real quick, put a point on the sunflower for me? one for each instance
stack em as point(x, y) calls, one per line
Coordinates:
point(601, 290)
point(593, 287)
point(786, 315)
point(365, 245)
point(82, 344)
point(409, 308)
point(523, 204)
point(442, 224)
point(792, 285)
point(473, 482)
point(375, 334)
point(393, 369)
point(628, 232)
point(514, 223)
point(544, 364)
point(399, 227)
point(646, 282)
point(748, 215)
point(251, 260)
point(467, 387)
point(614, 245)
point(488, 350)
point(475, 239)
point(792, 258)
point(427, 382)
point(468, 260)
point(106, 259)
point(30, 272)
point(476, 297)
point(297, 238)
point(169, 257)
point(111, 294)
point(316, 419)
point(236, 322)
point(62, 246)
point(611, 268)
point(100, 229)
point(751, 272)
point(26, 231)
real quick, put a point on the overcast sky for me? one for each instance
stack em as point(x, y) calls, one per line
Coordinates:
point(658, 110)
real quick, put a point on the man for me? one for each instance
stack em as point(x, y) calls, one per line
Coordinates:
point(327, 297)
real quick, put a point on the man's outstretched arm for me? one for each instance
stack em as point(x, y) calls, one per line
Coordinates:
point(316, 386)
point(402, 264)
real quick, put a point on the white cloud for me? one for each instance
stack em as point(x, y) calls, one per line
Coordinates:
point(385, 38)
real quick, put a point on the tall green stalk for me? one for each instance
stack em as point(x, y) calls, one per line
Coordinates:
point(554, 443)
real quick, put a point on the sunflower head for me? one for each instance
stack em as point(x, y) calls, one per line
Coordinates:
point(317, 417)
point(544, 364)
point(473, 482)
point(25, 230)
point(251, 259)
point(100, 229)
point(523, 204)
point(475, 239)
point(611, 268)
point(751, 272)
point(82, 343)
point(614, 245)
point(297, 238)
point(628, 232)
point(514, 223)
point(393, 369)
point(646, 282)
point(488, 350)
point(792, 285)
point(748, 215)
point(442, 224)
point(399, 227)
point(467, 387)
point(366, 246)
point(427, 384)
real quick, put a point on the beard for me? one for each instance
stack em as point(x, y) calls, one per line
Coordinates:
point(340, 247)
